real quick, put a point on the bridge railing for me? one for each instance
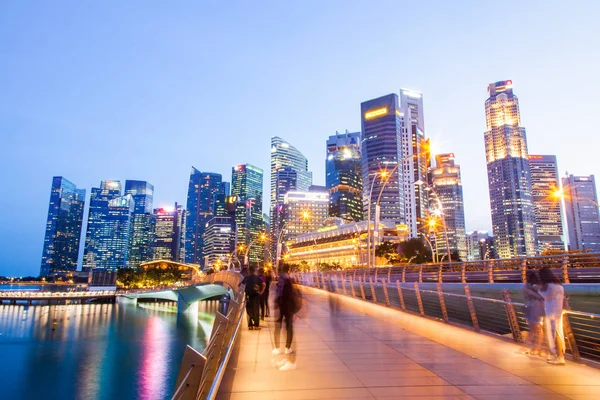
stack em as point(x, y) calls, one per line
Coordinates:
point(584, 267)
point(502, 317)
point(200, 374)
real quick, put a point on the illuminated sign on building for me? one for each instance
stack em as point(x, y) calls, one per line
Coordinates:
point(376, 113)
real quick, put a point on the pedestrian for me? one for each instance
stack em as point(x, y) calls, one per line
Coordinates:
point(286, 301)
point(554, 296)
point(264, 297)
point(254, 288)
point(534, 314)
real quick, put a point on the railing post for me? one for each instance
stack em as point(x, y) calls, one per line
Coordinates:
point(463, 273)
point(362, 289)
point(400, 296)
point(385, 293)
point(389, 278)
point(403, 274)
point(376, 271)
point(524, 270)
point(365, 275)
point(472, 309)
point(490, 271)
point(372, 290)
point(421, 274)
point(352, 287)
point(512, 317)
point(570, 337)
point(344, 286)
point(419, 300)
point(354, 275)
point(440, 274)
point(442, 302)
point(565, 269)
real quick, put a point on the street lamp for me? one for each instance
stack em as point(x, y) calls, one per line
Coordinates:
point(440, 213)
point(433, 254)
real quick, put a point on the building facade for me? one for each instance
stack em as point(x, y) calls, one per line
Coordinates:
point(304, 212)
point(247, 186)
point(480, 246)
point(142, 234)
point(381, 150)
point(343, 178)
point(169, 233)
point(581, 205)
point(509, 175)
point(219, 241)
point(63, 227)
point(548, 211)
point(447, 185)
point(202, 188)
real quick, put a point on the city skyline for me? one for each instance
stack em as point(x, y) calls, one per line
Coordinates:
point(89, 127)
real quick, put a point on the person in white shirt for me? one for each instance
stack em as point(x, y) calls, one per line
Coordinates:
point(554, 295)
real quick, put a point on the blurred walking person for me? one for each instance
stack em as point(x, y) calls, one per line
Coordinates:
point(288, 303)
point(254, 289)
point(534, 314)
point(264, 297)
point(554, 296)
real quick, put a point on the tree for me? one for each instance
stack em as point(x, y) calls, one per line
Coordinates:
point(388, 250)
point(415, 250)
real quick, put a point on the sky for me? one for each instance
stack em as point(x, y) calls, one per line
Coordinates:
point(96, 90)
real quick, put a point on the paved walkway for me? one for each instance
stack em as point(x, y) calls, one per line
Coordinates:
point(351, 349)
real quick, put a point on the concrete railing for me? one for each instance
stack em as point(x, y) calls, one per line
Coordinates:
point(200, 374)
point(502, 316)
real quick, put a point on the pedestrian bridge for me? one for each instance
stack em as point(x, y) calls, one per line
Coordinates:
point(187, 298)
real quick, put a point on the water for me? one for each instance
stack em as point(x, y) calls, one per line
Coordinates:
point(96, 351)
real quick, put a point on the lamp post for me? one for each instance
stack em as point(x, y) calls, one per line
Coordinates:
point(433, 253)
point(279, 246)
point(440, 214)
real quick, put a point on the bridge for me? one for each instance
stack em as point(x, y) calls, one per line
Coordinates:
point(372, 338)
point(14, 296)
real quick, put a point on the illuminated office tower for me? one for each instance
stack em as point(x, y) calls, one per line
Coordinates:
point(169, 235)
point(509, 176)
point(142, 233)
point(63, 227)
point(305, 212)
point(247, 186)
point(446, 182)
point(548, 212)
point(416, 156)
point(98, 210)
point(344, 177)
point(581, 205)
point(219, 241)
point(480, 246)
point(203, 187)
point(289, 171)
point(381, 150)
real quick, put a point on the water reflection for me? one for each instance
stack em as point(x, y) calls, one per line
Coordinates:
point(96, 351)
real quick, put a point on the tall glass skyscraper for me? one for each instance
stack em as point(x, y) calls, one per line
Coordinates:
point(446, 182)
point(381, 150)
point(202, 189)
point(169, 233)
point(109, 230)
point(548, 212)
point(343, 176)
point(142, 235)
point(247, 186)
point(509, 175)
point(63, 227)
point(289, 171)
point(583, 220)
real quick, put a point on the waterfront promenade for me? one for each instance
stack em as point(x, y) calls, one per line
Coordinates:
point(351, 349)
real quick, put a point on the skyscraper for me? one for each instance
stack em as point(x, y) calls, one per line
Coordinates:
point(289, 171)
point(381, 150)
point(93, 256)
point(548, 212)
point(480, 246)
point(305, 212)
point(63, 227)
point(509, 176)
point(343, 176)
point(581, 205)
point(109, 230)
point(415, 153)
point(247, 185)
point(169, 235)
point(203, 186)
point(446, 182)
point(219, 240)
point(142, 233)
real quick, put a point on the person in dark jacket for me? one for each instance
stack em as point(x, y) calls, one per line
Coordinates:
point(285, 302)
point(254, 289)
point(264, 298)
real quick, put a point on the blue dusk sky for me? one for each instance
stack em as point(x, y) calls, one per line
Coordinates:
point(95, 90)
